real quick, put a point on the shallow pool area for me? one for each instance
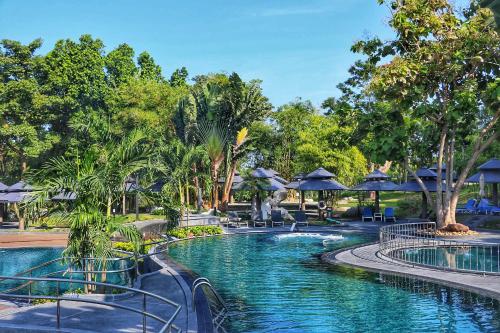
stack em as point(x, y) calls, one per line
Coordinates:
point(277, 283)
point(16, 260)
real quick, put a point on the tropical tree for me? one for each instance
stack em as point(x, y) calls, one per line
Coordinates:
point(214, 137)
point(444, 70)
point(25, 119)
point(175, 162)
point(90, 228)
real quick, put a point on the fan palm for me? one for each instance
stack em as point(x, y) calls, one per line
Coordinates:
point(214, 137)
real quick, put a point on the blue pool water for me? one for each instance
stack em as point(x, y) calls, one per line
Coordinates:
point(278, 284)
point(15, 261)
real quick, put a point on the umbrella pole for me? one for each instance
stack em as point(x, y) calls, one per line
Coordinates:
point(377, 201)
point(494, 193)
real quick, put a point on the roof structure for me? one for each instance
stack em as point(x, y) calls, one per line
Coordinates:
point(319, 184)
point(262, 173)
point(490, 170)
point(20, 187)
point(320, 173)
point(377, 175)
point(13, 197)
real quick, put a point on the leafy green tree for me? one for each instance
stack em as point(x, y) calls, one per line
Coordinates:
point(120, 65)
point(444, 70)
point(179, 77)
point(323, 143)
point(25, 119)
point(148, 69)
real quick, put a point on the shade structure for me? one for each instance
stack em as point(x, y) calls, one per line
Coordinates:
point(428, 177)
point(157, 186)
point(281, 180)
point(20, 187)
point(236, 179)
point(321, 185)
point(490, 172)
point(319, 180)
point(3, 187)
point(131, 186)
point(376, 181)
point(13, 197)
point(64, 196)
point(320, 173)
point(262, 173)
point(265, 184)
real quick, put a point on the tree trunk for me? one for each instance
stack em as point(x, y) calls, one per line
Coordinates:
point(422, 186)
point(108, 207)
point(228, 183)
point(439, 178)
point(24, 165)
point(197, 190)
point(124, 203)
point(215, 187)
point(478, 148)
point(181, 199)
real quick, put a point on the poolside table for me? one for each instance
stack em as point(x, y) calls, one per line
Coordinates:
point(378, 216)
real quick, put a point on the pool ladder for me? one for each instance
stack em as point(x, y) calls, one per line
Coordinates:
point(216, 305)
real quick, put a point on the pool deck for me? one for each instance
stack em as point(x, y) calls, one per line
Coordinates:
point(10, 239)
point(84, 317)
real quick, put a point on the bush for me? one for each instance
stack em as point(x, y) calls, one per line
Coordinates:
point(195, 231)
point(129, 247)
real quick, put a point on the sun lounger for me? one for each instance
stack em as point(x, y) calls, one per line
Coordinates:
point(301, 218)
point(469, 208)
point(367, 214)
point(277, 218)
point(260, 221)
point(389, 214)
point(235, 220)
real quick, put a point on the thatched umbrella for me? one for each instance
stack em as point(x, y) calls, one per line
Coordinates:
point(429, 178)
point(319, 180)
point(491, 173)
point(376, 181)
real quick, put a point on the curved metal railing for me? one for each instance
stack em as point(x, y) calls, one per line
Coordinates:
point(27, 282)
point(167, 324)
point(416, 244)
point(218, 309)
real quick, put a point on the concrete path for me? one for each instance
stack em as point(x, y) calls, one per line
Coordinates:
point(84, 317)
point(369, 258)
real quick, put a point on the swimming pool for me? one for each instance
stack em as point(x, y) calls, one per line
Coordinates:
point(16, 260)
point(277, 283)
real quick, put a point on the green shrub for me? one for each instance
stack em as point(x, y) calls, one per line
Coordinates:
point(195, 231)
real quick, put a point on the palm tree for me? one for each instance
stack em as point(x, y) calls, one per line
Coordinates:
point(214, 137)
point(96, 180)
point(175, 161)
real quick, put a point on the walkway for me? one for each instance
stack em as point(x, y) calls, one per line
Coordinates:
point(32, 239)
point(369, 258)
point(82, 317)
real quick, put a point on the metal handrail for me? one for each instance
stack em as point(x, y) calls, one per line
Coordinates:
point(167, 323)
point(416, 244)
point(221, 314)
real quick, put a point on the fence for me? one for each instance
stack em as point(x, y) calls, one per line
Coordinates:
point(415, 243)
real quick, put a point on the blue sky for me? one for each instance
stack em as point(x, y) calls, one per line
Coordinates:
point(298, 48)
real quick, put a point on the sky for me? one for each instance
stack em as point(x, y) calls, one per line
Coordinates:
point(297, 48)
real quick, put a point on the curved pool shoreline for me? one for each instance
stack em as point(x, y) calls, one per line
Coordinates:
point(368, 257)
